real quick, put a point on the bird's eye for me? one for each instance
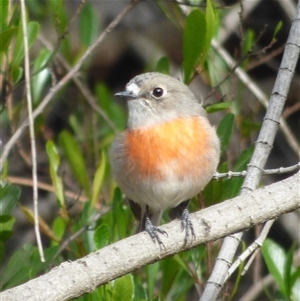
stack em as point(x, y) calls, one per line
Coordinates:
point(158, 92)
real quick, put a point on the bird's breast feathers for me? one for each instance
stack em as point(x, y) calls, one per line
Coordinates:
point(179, 147)
point(168, 163)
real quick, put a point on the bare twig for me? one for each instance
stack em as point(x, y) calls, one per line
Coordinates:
point(250, 250)
point(31, 130)
point(64, 81)
point(291, 110)
point(243, 173)
point(44, 186)
point(265, 58)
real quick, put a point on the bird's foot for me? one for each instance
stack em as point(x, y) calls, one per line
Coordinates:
point(187, 225)
point(153, 232)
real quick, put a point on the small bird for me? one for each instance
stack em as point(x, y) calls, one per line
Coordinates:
point(168, 152)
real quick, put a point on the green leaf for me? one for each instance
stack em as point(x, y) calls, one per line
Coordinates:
point(225, 130)
point(275, 259)
point(75, 159)
point(248, 127)
point(248, 44)
point(5, 219)
point(152, 271)
point(98, 179)
point(57, 182)
point(277, 30)
point(2, 252)
point(243, 159)
point(16, 73)
point(163, 65)
point(121, 215)
point(213, 192)
point(211, 24)
point(16, 271)
point(249, 40)
point(58, 228)
point(5, 235)
point(296, 289)
point(231, 187)
point(32, 31)
point(4, 15)
point(59, 13)
point(42, 74)
point(6, 37)
point(288, 270)
point(6, 227)
point(25, 264)
point(89, 24)
point(218, 107)
point(294, 277)
point(113, 109)
point(194, 37)
point(170, 269)
point(10, 195)
point(101, 236)
point(123, 289)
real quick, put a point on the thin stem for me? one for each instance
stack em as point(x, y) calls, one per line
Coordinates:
point(31, 130)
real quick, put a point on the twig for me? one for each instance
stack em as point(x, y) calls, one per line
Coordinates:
point(243, 173)
point(31, 130)
point(257, 288)
point(241, 31)
point(250, 250)
point(66, 30)
point(291, 110)
point(257, 92)
point(44, 186)
point(82, 87)
point(92, 220)
point(63, 81)
point(265, 58)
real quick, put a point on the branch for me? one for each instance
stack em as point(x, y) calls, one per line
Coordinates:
point(229, 174)
point(73, 279)
point(261, 153)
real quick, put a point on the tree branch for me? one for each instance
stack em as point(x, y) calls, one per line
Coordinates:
point(73, 279)
point(261, 153)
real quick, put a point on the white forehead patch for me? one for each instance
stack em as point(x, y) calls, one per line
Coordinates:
point(133, 88)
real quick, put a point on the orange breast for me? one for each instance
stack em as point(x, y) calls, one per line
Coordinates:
point(181, 145)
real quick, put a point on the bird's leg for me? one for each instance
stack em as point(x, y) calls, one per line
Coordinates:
point(182, 213)
point(153, 230)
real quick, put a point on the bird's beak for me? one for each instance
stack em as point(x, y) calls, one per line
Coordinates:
point(127, 94)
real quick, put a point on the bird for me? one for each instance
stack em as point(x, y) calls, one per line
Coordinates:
point(167, 154)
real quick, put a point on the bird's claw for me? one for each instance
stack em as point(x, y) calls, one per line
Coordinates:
point(187, 225)
point(153, 232)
